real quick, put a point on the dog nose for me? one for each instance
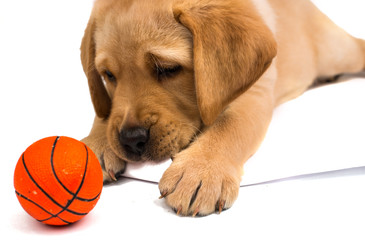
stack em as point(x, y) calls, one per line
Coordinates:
point(134, 139)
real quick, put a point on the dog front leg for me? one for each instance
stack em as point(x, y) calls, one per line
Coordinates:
point(206, 176)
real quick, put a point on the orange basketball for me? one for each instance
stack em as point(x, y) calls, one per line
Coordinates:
point(58, 180)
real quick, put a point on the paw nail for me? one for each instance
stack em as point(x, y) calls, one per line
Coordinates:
point(221, 206)
point(179, 211)
point(163, 194)
point(112, 175)
point(196, 212)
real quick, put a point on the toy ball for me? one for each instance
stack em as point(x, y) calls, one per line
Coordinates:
point(58, 180)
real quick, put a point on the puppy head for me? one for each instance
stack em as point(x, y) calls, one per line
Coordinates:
point(160, 70)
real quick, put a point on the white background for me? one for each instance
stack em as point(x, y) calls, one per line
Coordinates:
point(44, 92)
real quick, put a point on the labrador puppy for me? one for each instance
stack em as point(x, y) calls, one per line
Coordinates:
point(197, 81)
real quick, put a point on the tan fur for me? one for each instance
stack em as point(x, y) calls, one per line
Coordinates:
point(236, 61)
point(215, 39)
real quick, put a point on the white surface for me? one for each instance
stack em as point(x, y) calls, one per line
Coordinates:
point(44, 92)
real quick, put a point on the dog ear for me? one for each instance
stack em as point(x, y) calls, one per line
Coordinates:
point(99, 95)
point(232, 48)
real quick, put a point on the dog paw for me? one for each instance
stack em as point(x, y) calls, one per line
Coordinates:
point(113, 167)
point(195, 185)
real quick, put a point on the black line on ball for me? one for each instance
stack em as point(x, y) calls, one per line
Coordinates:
point(59, 181)
point(31, 201)
point(64, 208)
point(69, 202)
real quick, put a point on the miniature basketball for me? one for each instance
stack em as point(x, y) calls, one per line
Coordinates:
point(58, 180)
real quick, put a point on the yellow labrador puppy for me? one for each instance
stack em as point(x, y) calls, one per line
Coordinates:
point(197, 81)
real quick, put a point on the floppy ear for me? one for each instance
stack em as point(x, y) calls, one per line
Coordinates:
point(99, 95)
point(232, 48)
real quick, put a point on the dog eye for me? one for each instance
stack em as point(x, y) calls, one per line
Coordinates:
point(110, 76)
point(167, 72)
